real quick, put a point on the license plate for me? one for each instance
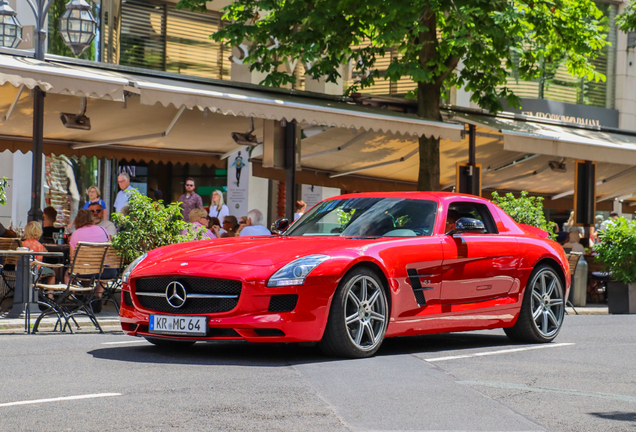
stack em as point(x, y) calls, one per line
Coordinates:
point(178, 325)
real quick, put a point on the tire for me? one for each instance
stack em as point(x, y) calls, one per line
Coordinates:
point(358, 317)
point(169, 343)
point(543, 308)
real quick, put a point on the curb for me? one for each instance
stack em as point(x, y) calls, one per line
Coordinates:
point(586, 311)
point(19, 324)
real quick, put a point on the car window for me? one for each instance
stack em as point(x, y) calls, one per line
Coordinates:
point(368, 217)
point(477, 211)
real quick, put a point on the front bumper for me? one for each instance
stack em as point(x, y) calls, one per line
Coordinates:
point(251, 320)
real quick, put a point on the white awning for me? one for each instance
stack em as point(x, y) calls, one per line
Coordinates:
point(558, 140)
point(93, 80)
point(61, 79)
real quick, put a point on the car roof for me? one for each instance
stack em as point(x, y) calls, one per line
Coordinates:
point(436, 196)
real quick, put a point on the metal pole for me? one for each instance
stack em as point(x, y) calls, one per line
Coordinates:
point(290, 169)
point(35, 213)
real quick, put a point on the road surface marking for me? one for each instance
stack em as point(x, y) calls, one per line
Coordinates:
point(523, 387)
point(37, 401)
point(489, 353)
point(125, 342)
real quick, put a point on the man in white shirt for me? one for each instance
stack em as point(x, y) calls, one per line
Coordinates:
point(254, 225)
point(99, 220)
point(123, 180)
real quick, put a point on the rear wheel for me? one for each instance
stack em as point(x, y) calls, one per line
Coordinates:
point(543, 308)
point(358, 317)
point(169, 343)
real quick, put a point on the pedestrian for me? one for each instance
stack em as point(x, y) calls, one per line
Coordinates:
point(33, 232)
point(123, 180)
point(199, 218)
point(254, 225)
point(97, 210)
point(301, 206)
point(190, 200)
point(217, 207)
point(609, 222)
point(49, 216)
point(94, 197)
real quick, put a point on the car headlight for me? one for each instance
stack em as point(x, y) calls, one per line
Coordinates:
point(296, 271)
point(126, 276)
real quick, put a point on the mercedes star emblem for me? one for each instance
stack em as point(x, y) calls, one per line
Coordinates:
point(176, 294)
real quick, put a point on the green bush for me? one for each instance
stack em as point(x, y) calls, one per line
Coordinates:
point(3, 192)
point(525, 210)
point(617, 250)
point(150, 225)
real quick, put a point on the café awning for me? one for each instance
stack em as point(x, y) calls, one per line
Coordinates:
point(557, 140)
point(228, 98)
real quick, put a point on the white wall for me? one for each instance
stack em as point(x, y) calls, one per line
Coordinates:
point(17, 167)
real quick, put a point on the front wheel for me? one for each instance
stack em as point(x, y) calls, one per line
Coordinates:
point(542, 310)
point(169, 343)
point(358, 317)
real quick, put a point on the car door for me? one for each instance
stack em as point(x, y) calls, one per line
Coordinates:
point(477, 267)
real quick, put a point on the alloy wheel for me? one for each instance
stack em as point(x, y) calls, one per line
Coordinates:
point(365, 312)
point(547, 302)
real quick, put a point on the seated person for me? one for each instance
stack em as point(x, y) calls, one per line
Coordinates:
point(574, 242)
point(451, 220)
point(199, 218)
point(32, 232)
point(49, 216)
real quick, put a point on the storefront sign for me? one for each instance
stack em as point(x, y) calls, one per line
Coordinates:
point(238, 183)
point(312, 195)
point(565, 112)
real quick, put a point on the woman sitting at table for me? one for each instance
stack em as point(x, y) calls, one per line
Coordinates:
point(87, 231)
point(32, 232)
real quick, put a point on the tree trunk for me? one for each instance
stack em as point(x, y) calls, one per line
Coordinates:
point(428, 97)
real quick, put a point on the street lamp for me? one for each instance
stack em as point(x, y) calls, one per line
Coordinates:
point(10, 28)
point(78, 28)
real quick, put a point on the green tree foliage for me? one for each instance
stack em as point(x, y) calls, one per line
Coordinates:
point(617, 250)
point(3, 192)
point(626, 21)
point(431, 37)
point(150, 225)
point(525, 210)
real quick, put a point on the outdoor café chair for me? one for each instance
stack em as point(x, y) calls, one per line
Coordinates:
point(8, 267)
point(112, 286)
point(72, 299)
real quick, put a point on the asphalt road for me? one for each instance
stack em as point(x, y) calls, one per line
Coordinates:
point(476, 381)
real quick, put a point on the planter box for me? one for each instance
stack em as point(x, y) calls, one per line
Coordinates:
point(621, 298)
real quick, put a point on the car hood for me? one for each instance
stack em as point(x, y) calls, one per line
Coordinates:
point(256, 251)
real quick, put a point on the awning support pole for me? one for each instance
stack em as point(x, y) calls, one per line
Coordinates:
point(473, 177)
point(12, 107)
point(35, 213)
point(133, 138)
point(290, 169)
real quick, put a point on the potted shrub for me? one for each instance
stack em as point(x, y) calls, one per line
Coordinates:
point(617, 251)
point(150, 224)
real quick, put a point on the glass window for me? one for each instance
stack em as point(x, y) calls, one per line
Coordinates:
point(480, 212)
point(368, 217)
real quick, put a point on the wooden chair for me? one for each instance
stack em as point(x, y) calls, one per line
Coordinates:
point(112, 285)
point(74, 298)
point(8, 267)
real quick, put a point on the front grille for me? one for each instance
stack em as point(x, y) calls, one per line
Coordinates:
point(269, 332)
point(222, 332)
point(283, 303)
point(192, 285)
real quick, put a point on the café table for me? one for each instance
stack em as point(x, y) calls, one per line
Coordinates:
point(25, 298)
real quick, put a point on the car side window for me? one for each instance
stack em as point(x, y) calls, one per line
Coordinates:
point(477, 211)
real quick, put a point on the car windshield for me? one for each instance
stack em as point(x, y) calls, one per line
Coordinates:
point(367, 217)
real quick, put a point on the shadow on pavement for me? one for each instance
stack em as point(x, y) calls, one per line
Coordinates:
point(617, 415)
point(276, 355)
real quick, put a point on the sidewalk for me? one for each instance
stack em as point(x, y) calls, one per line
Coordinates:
point(589, 309)
point(107, 318)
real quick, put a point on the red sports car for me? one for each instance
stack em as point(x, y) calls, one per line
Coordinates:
point(354, 270)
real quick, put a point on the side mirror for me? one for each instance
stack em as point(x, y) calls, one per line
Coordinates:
point(280, 225)
point(468, 225)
